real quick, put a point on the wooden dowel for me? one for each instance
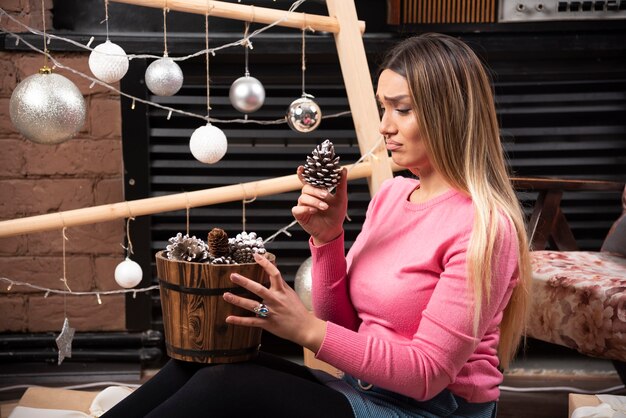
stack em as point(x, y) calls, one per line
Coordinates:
point(360, 90)
point(159, 204)
point(247, 13)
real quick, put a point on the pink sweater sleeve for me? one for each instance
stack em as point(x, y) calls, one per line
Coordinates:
point(329, 289)
point(424, 365)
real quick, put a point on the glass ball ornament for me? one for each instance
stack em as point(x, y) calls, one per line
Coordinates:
point(303, 282)
point(47, 108)
point(164, 77)
point(108, 62)
point(304, 115)
point(208, 144)
point(247, 94)
point(128, 273)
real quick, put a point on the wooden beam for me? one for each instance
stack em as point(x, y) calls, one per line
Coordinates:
point(247, 13)
point(360, 89)
point(152, 205)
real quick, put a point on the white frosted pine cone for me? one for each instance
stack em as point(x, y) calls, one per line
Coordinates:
point(322, 167)
point(186, 248)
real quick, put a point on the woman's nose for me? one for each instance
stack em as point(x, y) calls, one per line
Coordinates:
point(384, 127)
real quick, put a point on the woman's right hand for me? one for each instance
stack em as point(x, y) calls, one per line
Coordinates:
point(319, 212)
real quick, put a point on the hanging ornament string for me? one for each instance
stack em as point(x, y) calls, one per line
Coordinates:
point(65, 238)
point(247, 45)
point(187, 213)
point(304, 29)
point(65, 337)
point(206, 44)
point(165, 11)
point(244, 202)
point(303, 58)
point(129, 247)
point(106, 18)
point(45, 45)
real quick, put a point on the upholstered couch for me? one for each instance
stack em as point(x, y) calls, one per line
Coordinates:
point(579, 297)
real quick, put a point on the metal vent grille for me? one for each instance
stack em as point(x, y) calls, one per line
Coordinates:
point(441, 11)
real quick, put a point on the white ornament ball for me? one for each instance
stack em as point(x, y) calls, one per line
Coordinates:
point(47, 108)
point(303, 283)
point(247, 94)
point(164, 77)
point(304, 115)
point(208, 144)
point(128, 273)
point(108, 62)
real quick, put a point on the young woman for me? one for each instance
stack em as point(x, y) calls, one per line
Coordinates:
point(430, 302)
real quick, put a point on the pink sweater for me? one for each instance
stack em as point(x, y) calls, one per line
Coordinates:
point(398, 308)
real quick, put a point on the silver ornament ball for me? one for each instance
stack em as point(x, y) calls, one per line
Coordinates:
point(208, 144)
point(108, 62)
point(247, 94)
point(47, 108)
point(303, 282)
point(164, 77)
point(128, 273)
point(304, 115)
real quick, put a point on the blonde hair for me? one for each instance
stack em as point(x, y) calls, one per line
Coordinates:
point(454, 106)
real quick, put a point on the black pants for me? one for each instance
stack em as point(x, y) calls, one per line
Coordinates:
point(268, 386)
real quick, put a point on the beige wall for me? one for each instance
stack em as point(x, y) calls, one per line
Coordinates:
point(37, 179)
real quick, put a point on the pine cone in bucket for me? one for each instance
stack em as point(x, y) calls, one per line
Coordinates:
point(186, 248)
point(218, 243)
point(322, 167)
point(244, 246)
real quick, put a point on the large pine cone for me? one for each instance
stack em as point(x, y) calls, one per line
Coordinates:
point(244, 246)
point(186, 248)
point(218, 243)
point(322, 167)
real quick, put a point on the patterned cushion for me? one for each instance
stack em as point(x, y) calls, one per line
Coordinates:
point(579, 301)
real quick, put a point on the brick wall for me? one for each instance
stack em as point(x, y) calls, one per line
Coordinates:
point(37, 179)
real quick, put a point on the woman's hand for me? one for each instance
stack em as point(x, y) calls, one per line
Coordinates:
point(321, 213)
point(288, 318)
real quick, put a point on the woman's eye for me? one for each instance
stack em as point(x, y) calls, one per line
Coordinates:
point(403, 111)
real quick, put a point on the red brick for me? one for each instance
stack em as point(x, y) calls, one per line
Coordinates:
point(27, 64)
point(34, 197)
point(7, 129)
point(12, 159)
point(12, 5)
point(76, 157)
point(105, 272)
point(100, 238)
point(13, 313)
point(83, 312)
point(8, 79)
point(11, 26)
point(109, 191)
point(47, 272)
point(105, 118)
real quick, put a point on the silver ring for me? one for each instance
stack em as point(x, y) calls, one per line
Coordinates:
point(262, 311)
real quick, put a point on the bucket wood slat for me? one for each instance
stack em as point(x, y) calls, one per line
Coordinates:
point(194, 310)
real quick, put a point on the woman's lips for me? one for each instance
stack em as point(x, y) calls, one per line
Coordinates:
point(392, 146)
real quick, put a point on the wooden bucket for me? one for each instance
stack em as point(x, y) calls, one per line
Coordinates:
point(194, 311)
